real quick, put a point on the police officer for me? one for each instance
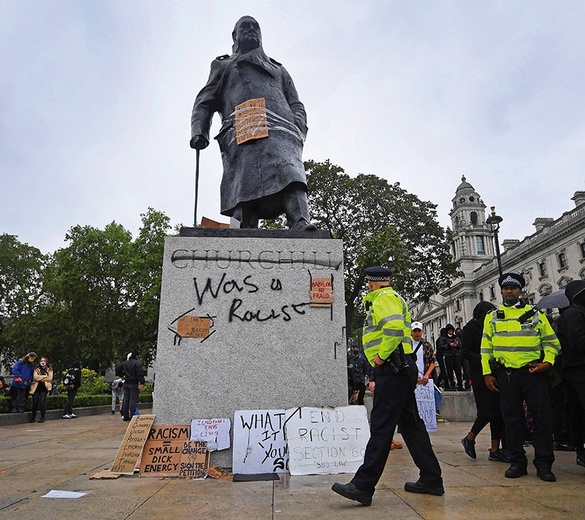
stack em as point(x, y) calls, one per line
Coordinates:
point(388, 348)
point(518, 348)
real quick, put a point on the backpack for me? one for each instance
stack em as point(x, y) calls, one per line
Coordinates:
point(69, 380)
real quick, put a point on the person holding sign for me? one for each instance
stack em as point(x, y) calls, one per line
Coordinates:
point(388, 348)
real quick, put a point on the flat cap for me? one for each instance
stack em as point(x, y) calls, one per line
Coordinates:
point(377, 273)
point(516, 280)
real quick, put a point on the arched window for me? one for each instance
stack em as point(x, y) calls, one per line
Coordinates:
point(473, 217)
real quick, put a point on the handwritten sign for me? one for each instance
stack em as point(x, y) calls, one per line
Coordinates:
point(215, 432)
point(161, 456)
point(193, 327)
point(326, 440)
point(194, 460)
point(321, 292)
point(259, 442)
point(425, 401)
point(132, 444)
point(251, 121)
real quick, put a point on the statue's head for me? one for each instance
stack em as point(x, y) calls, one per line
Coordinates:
point(246, 35)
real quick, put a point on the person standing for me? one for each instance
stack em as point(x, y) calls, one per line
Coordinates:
point(22, 372)
point(388, 348)
point(40, 387)
point(571, 333)
point(358, 367)
point(133, 373)
point(425, 360)
point(487, 402)
point(72, 389)
point(117, 388)
point(517, 350)
point(450, 345)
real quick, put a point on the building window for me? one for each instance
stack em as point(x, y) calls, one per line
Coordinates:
point(480, 245)
point(480, 296)
point(458, 304)
point(582, 247)
point(542, 269)
point(492, 292)
point(562, 260)
point(473, 217)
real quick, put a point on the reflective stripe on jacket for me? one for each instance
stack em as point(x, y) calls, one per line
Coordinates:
point(387, 324)
point(516, 344)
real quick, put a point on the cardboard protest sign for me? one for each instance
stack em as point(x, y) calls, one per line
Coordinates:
point(131, 447)
point(321, 292)
point(215, 432)
point(425, 401)
point(326, 440)
point(251, 120)
point(194, 460)
point(163, 449)
point(259, 442)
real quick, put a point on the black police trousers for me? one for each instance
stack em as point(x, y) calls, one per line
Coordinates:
point(516, 386)
point(395, 404)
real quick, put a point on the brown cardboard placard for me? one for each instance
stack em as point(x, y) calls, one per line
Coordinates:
point(251, 121)
point(161, 456)
point(193, 326)
point(321, 292)
point(194, 460)
point(132, 444)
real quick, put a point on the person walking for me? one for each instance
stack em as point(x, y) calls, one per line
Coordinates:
point(517, 350)
point(117, 388)
point(388, 348)
point(40, 387)
point(133, 373)
point(22, 373)
point(72, 389)
point(487, 402)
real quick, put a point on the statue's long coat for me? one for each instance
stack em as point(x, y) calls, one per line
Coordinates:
point(261, 167)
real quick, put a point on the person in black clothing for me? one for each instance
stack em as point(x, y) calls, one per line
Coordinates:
point(72, 390)
point(439, 354)
point(450, 346)
point(487, 402)
point(358, 369)
point(571, 334)
point(133, 373)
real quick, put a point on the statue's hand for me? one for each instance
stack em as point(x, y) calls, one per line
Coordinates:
point(199, 142)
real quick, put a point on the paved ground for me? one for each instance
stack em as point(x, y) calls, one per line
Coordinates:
point(62, 454)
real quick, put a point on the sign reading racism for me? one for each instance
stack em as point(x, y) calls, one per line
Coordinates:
point(326, 440)
point(163, 449)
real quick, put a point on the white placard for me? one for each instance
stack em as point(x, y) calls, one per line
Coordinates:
point(216, 432)
point(259, 442)
point(326, 440)
point(56, 493)
point(425, 401)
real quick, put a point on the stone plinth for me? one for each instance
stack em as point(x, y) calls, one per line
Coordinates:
point(237, 330)
point(458, 406)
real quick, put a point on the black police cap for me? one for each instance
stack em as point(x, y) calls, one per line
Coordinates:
point(516, 280)
point(377, 274)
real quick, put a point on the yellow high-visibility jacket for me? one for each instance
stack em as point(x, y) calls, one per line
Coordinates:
point(516, 344)
point(387, 324)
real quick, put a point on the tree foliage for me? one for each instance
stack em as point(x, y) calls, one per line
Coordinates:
point(96, 299)
point(380, 224)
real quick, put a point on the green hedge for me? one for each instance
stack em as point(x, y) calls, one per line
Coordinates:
point(57, 402)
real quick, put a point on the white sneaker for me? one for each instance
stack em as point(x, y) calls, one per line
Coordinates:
point(67, 416)
point(72, 416)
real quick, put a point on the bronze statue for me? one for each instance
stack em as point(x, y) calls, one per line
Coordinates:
point(264, 125)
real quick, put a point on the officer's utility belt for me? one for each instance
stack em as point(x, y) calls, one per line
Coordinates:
point(495, 365)
point(397, 360)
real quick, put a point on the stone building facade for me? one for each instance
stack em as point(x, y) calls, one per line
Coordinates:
point(548, 259)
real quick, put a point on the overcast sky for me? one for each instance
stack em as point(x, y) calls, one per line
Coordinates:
point(96, 98)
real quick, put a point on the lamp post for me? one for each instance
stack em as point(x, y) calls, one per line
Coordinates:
point(494, 222)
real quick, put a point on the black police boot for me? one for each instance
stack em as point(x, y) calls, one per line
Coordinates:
point(516, 470)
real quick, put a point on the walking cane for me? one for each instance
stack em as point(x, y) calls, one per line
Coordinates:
point(196, 186)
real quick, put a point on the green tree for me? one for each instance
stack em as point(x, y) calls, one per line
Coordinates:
point(21, 295)
point(380, 224)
